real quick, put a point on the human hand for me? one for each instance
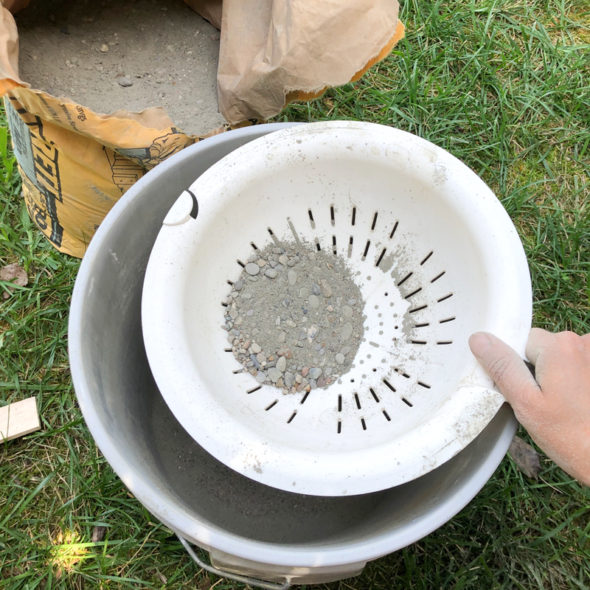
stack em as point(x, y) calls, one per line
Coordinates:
point(554, 409)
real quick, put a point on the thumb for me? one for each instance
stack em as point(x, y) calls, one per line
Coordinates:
point(506, 368)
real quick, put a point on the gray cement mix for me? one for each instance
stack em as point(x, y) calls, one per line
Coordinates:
point(112, 54)
point(294, 317)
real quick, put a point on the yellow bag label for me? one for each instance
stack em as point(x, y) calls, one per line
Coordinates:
point(70, 178)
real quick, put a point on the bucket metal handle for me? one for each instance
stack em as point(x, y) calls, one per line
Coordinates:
point(236, 577)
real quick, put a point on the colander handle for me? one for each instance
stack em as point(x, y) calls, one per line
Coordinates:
point(236, 577)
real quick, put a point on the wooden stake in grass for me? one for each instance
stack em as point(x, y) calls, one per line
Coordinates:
point(18, 419)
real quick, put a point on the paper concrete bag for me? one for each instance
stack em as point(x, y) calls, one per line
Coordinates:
point(76, 163)
point(273, 52)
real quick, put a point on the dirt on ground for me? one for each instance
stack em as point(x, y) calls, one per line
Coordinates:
point(127, 54)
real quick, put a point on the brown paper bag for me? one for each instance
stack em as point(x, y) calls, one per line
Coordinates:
point(273, 52)
point(75, 163)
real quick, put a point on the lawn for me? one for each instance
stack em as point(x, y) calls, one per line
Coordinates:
point(503, 85)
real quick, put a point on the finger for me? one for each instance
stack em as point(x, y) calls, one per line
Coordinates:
point(538, 341)
point(505, 367)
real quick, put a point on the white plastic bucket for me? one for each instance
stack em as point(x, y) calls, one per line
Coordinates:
point(247, 527)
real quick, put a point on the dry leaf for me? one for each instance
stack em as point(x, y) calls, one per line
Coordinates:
point(525, 457)
point(162, 577)
point(98, 533)
point(13, 273)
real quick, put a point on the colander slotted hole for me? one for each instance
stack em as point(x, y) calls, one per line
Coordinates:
point(272, 235)
point(393, 230)
point(426, 258)
point(389, 385)
point(364, 256)
point(444, 321)
point(414, 292)
point(374, 221)
point(381, 257)
point(400, 283)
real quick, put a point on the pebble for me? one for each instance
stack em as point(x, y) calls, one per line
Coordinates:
point(274, 374)
point(260, 377)
point(282, 364)
point(347, 311)
point(326, 289)
point(252, 268)
point(271, 273)
point(255, 348)
point(314, 301)
point(346, 331)
point(238, 285)
point(292, 277)
point(124, 81)
point(289, 379)
point(339, 358)
point(315, 372)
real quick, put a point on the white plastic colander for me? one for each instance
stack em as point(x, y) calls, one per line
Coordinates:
point(436, 258)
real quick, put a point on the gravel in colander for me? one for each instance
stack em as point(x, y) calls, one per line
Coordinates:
point(294, 317)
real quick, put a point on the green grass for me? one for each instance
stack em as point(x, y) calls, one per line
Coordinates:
point(502, 85)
